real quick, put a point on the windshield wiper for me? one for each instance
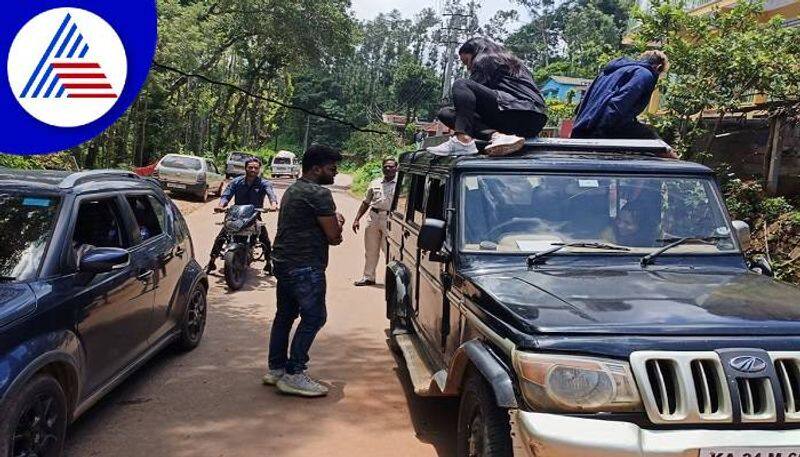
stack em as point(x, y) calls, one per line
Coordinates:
point(539, 257)
point(649, 259)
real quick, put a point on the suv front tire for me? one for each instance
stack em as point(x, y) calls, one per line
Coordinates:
point(483, 427)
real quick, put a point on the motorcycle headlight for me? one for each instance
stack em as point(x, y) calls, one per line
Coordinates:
point(576, 384)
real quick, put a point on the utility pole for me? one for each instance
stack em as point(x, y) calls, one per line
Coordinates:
point(453, 39)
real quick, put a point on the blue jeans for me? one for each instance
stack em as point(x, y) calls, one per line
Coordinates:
point(301, 293)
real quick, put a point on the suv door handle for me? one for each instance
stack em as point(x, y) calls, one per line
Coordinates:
point(145, 276)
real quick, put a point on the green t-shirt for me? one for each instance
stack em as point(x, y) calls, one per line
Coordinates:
point(300, 241)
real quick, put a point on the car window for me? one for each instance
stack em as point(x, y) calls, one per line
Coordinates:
point(282, 161)
point(417, 209)
point(150, 225)
point(403, 193)
point(237, 157)
point(184, 163)
point(161, 213)
point(181, 228)
point(26, 227)
point(436, 192)
point(98, 224)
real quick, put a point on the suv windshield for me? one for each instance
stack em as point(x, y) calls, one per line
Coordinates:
point(186, 163)
point(237, 157)
point(281, 161)
point(534, 213)
point(26, 224)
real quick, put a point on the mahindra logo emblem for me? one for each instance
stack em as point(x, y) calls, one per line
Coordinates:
point(748, 364)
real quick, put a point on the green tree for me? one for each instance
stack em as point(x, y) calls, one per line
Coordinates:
point(718, 60)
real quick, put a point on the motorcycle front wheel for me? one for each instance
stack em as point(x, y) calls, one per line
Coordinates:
point(235, 269)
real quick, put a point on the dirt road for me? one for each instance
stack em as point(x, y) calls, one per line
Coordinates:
point(211, 402)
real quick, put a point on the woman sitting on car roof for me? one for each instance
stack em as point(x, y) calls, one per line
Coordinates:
point(499, 103)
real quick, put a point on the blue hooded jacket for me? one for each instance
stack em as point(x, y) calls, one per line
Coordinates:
point(615, 98)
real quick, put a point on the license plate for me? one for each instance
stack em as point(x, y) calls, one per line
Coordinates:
point(751, 452)
point(176, 186)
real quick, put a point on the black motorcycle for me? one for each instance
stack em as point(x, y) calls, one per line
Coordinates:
point(242, 246)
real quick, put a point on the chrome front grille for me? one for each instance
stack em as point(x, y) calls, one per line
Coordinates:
point(787, 368)
point(683, 387)
point(692, 387)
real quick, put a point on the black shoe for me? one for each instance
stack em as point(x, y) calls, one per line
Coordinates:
point(364, 282)
point(211, 267)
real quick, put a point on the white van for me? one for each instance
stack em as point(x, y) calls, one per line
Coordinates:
point(286, 164)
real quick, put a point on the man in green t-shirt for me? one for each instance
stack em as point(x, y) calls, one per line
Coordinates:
point(307, 225)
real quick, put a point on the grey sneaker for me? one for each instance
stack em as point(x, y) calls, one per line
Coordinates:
point(503, 145)
point(453, 147)
point(272, 377)
point(302, 385)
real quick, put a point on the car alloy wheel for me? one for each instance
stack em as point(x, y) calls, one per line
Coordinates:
point(196, 315)
point(39, 431)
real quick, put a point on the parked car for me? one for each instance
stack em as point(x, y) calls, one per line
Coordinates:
point(184, 174)
point(285, 164)
point(234, 166)
point(97, 275)
point(583, 298)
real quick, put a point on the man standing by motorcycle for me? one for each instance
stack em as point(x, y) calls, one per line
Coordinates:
point(250, 189)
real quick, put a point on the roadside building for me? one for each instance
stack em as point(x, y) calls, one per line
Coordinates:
point(565, 88)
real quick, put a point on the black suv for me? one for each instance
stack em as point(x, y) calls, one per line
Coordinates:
point(585, 298)
point(97, 274)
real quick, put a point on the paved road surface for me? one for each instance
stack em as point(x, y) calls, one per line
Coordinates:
point(211, 403)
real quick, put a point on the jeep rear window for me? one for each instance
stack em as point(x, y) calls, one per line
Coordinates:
point(238, 157)
point(26, 226)
point(281, 161)
point(185, 163)
point(532, 213)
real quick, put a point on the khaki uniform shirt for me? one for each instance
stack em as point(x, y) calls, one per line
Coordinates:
point(380, 194)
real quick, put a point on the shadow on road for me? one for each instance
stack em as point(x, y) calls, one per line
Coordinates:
point(435, 419)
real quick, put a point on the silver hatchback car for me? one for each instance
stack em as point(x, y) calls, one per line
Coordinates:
point(184, 174)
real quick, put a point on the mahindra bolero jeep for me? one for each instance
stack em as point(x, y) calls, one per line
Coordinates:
point(585, 298)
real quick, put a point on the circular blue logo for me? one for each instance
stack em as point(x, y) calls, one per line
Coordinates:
point(71, 69)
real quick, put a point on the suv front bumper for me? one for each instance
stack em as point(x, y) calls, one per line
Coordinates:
point(551, 435)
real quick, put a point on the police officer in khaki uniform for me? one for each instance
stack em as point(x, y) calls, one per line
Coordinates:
point(378, 202)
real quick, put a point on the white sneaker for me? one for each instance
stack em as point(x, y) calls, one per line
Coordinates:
point(301, 384)
point(272, 377)
point(454, 147)
point(503, 145)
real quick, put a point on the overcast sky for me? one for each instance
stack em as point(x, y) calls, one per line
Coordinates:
point(368, 9)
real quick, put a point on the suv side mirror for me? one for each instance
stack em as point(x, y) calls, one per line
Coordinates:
point(743, 234)
point(431, 237)
point(103, 260)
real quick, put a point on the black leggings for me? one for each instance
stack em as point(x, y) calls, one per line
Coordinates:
point(477, 113)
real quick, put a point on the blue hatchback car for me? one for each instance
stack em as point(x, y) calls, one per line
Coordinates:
point(97, 274)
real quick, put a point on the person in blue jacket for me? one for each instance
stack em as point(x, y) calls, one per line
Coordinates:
point(618, 96)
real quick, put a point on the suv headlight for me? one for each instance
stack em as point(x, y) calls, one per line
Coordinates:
point(560, 383)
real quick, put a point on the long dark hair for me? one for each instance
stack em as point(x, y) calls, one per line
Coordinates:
point(482, 49)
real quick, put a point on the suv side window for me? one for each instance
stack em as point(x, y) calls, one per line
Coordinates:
point(401, 207)
point(416, 213)
point(150, 224)
point(436, 192)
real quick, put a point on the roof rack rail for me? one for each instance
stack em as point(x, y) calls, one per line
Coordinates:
point(73, 179)
point(599, 145)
